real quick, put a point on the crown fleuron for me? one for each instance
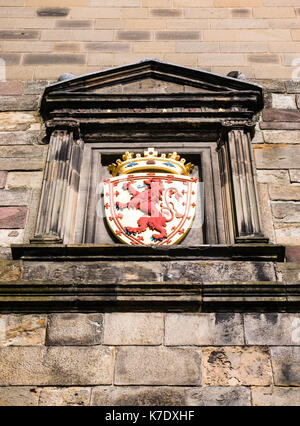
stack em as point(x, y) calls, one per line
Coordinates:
point(150, 161)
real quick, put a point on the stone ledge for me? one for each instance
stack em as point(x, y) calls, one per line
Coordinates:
point(245, 252)
point(43, 296)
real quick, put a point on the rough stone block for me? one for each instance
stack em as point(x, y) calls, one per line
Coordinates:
point(157, 366)
point(10, 270)
point(3, 176)
point(14, 197)
point(11, 236)
point(287, 234)
point(13, 217)
point(19, 103)
point(24, 180)
point(19, 138)
point(279, 125)
point(286, 212)
point(292, 86)
point(133, 329)
point(53, 59)
point(276, 177)
point(283, 101)
point(133, 35)
point(281, 136)
point(75, 329)
point(11, 87)
point(272, 329)
point(236, 366)
point(56, 366)
point(275, 396)
point(22, 330)
point(219, 271)
point(204, 329)
point(60, 397)
point(19, 396)
point(292, 254)
point(17, 121)
point(295, 176)
point(218, 396)
point(87, 272)
point(270, 85)
point(281, 114)
point(273, 157)
point(138, 396)
point(286, 365)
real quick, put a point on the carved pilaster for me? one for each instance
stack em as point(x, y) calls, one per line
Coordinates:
point(58, 204)
point(239, 183)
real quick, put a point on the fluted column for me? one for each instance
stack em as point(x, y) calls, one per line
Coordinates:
point(56, 217)
point(239, 185)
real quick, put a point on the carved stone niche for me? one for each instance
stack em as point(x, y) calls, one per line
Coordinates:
point(93, 119)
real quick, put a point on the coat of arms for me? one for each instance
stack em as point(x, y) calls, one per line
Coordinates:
point(151, 199)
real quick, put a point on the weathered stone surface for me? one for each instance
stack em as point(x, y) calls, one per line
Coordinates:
point(138, 396)
point(22, 163)
point(157, 366)
point(236, 366)
point(11, 236)
point(24, 180)
point(281, 136)
point(288, 272)
point(285, 192)
point(295, 176)
point(134, 329)
point(56, 366)
point(11, 87)
point(265, 210)
point(5, 253)
point(287, 234)
point(36, 87)
point(13, 217)
point(14, 197)
point(292, 254)
point(204, 329)
point(10, 270)
point(218, 396)
point(19, 103)
point(273, 114)
point(75, 329)
point(86, 272)
point(219, 271)
point(275, 396)
point(270, 85)
point(286, 365)
point(292, 86)
point(283, 101)
point(17, 120)
point(23, 151)
point(19, 138)
point(61, 397)
point(286, 212)
point(3, 176)
point(272, 329)
point(19, 396)
point(275, 157)
point(279, 125)
point(22, 330)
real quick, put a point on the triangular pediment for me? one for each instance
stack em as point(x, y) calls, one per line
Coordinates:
point(149, 72)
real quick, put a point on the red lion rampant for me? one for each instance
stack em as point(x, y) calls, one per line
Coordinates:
point(146, 201)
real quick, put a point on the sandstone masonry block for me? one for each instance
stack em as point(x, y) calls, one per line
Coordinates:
point(55, 366)
point(219, 271)
point(272, 329)
point(22, 330)
point(283, 101)
point(236, 366)
point(276, 177)
point(287, 234)
point(218, 396)
point(3, 176)
point(138, 396)
point(283, 157)
point(10, 270)
point(286, 212)
point(64, 397)
point(157, 366)
point(24, 180)
point(286, 365)
point(14, 197)
point(275, 396)
point(19, 138)
point(281, 136)
point(133, 329)
point(75, 329)
point(204, 329)
point(295, 176)
point(19, 396)
point(285, 193)
point(11, 236)
point(13, 217)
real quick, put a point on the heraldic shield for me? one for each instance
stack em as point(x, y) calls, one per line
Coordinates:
point(151, 200)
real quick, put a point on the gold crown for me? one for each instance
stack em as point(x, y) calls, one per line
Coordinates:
point(150, 162)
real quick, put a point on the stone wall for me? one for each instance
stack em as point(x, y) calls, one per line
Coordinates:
point(41, 39)
point(150, 359)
